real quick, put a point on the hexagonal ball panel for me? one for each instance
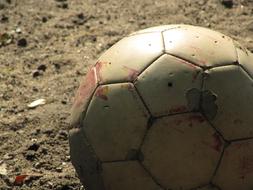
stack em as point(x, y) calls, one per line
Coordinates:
point(182, 151)
point(116, 121)
point(236, 168)
point(84, 160)
point(83, 96)
point(127, 175)
point(202, 46)
point(245, 58)
point(234, 91)
point(165, 83)
point(127, 58)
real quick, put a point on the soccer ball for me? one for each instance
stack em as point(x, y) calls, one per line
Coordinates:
point(166, 108)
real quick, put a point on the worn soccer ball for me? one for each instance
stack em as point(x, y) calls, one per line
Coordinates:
point(166, 108)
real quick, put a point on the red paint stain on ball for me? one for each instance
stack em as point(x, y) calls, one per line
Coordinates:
point(196, 118)
point(132, 74)
point(86, 88)
point(217, 143)
point(102, 92)
point(130, 87)
point(177, 109)
point(99, 66)
point(246, 166)
point(242, 145)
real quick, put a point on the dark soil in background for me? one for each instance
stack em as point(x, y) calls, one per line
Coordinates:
point(45, 49)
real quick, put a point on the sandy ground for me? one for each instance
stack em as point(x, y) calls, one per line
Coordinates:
point(45, 49)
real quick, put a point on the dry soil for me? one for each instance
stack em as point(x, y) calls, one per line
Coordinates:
point(45, 49)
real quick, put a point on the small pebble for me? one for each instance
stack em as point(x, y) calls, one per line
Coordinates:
point(42, 67)
point(62, 135)
point(4, 18)
point(18, 30)
point(58, 169)
point(30, 155)
point(36, 73)
point(80, 16)
point(64, 102)
point(227, 3)
point(36, 103)
point(80, 19)
point(34, 147)
point(22, 42)
point(44, 19)
point(63, 5)
point(35, 89)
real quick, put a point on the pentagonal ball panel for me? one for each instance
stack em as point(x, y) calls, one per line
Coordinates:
point(83, 96)
point(127, 175)
point(164, 85)
point(116, 121)
point(236, 167)
point(201, 46)
point(127, 58)
point(233, 89)
point(182, 151)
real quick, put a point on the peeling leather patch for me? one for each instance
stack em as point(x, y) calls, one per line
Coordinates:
point(193, 99)
point(202, 101)
point(208, 105)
